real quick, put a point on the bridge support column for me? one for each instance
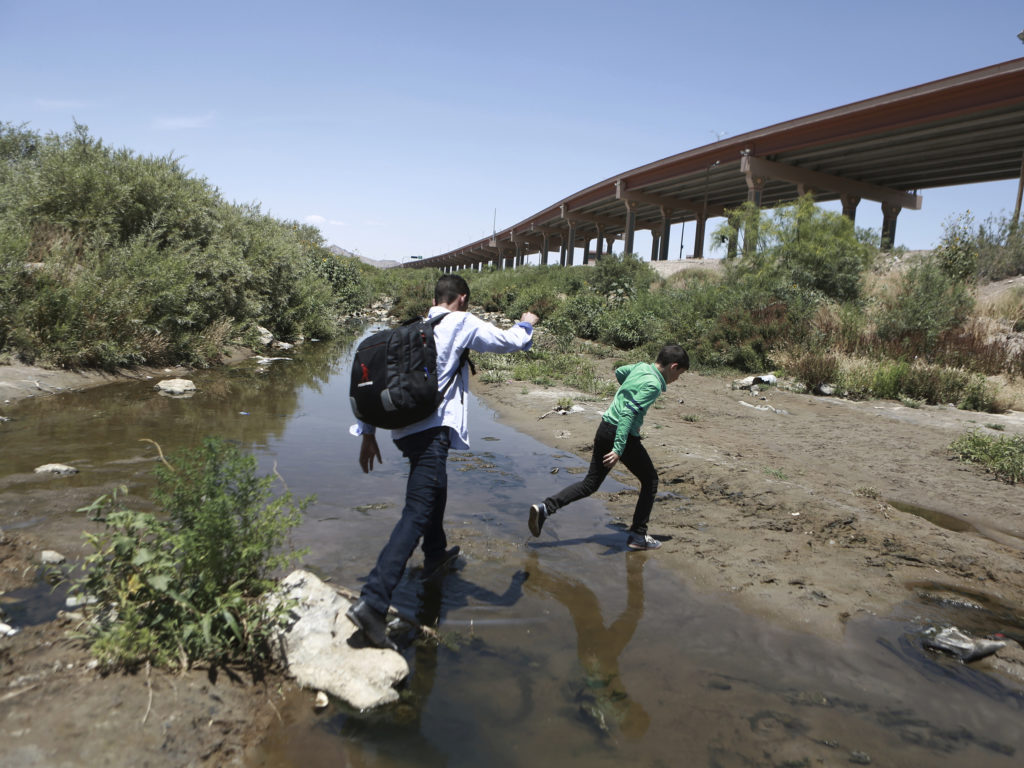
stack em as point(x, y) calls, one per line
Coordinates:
point(611, 241)
point(544, 248)
point(586, 250)
point(600, 242)
point(755, 188)
point(731, 247)
point(850, 203)
point(889, 213)
point(655, 243)
point(666, 228)
point(570, 250)
point(1020, 194)
point(698, 238)
point(627, 246)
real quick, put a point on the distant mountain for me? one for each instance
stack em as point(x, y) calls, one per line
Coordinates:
point(382, 264)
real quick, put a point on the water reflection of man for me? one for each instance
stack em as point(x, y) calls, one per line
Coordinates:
point(602, 696)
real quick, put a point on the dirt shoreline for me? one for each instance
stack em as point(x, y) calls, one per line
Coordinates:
point(783, 502)
point(780, 502)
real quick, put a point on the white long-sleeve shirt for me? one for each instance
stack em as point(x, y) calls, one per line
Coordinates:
point(451, 336)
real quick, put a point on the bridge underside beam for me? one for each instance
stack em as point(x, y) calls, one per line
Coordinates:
point(759, 167)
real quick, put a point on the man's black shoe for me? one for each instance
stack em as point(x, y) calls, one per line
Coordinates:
point(372, 623)
point(435, 566)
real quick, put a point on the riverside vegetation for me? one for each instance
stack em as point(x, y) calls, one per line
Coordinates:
point(190, 586)
point(109, 259)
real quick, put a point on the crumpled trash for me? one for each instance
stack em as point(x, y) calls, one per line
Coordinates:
point(960, 644)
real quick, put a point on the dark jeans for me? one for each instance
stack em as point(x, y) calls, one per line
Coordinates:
point(634, 457)
point(426, 493)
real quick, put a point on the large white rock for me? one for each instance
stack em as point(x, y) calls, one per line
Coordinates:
point(317, 653)
point(176, 386)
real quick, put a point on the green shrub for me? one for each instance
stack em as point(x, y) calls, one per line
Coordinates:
point(812, 369)
point(803, 245)
point(927, 302)
point(979, 394)
point(1000, 245)
point(582, 315)
point(190, 587)
point(957, 254)
point(630, 324)
point(134, 260)
point(620, 277)
point(1002, 456)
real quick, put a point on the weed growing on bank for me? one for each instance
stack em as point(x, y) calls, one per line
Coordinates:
point(1002, 456)
point(190, 586)
point(111, 259)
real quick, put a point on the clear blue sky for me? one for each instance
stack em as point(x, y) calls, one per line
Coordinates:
point(400, 128)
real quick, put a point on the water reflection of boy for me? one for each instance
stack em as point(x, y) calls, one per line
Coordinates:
point(599, 647)
point(618, 437)
point(426, 444)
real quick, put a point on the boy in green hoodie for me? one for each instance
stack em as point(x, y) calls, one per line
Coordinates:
point(618, 439)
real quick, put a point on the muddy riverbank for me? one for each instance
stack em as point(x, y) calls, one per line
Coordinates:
point(792, 506)
point(813, 512)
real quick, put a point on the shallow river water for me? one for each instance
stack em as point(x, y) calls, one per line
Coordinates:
point(565, 650)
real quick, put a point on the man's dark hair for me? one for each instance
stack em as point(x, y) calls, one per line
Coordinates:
point(449, 288)
point(673, 353)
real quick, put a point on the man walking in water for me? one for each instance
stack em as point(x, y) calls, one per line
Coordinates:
point(426, 444)
point(618, 438)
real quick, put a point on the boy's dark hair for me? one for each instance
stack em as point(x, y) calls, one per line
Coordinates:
point(449, 288)
point(673, 353)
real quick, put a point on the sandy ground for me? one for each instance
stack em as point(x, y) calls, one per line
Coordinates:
point(780, 502)
point(783, 502)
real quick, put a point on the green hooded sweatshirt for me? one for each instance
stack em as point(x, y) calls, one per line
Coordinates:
point(640, 385)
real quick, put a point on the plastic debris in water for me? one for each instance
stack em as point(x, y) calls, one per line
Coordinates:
point(960, 644)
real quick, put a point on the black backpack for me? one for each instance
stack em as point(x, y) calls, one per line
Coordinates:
point(394, 375)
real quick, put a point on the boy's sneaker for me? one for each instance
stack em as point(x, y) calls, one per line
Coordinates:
point(640, 542)
point(538, 514)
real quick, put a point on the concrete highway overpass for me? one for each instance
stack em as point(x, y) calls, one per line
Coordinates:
point(964, 129)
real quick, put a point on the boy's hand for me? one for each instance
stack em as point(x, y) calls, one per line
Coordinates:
point(610, 459)
point(529, 317)
point(368, 451)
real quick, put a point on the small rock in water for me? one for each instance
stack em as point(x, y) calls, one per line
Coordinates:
point(6, 630)
point(50, 557)
point(860, 758)
point(56, 469)
point(176, 386)
point(321, 701)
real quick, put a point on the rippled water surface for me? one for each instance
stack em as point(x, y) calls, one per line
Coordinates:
point(565, 650)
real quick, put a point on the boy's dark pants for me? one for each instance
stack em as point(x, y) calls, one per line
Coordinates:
point(426, 494)
point(636, 460)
